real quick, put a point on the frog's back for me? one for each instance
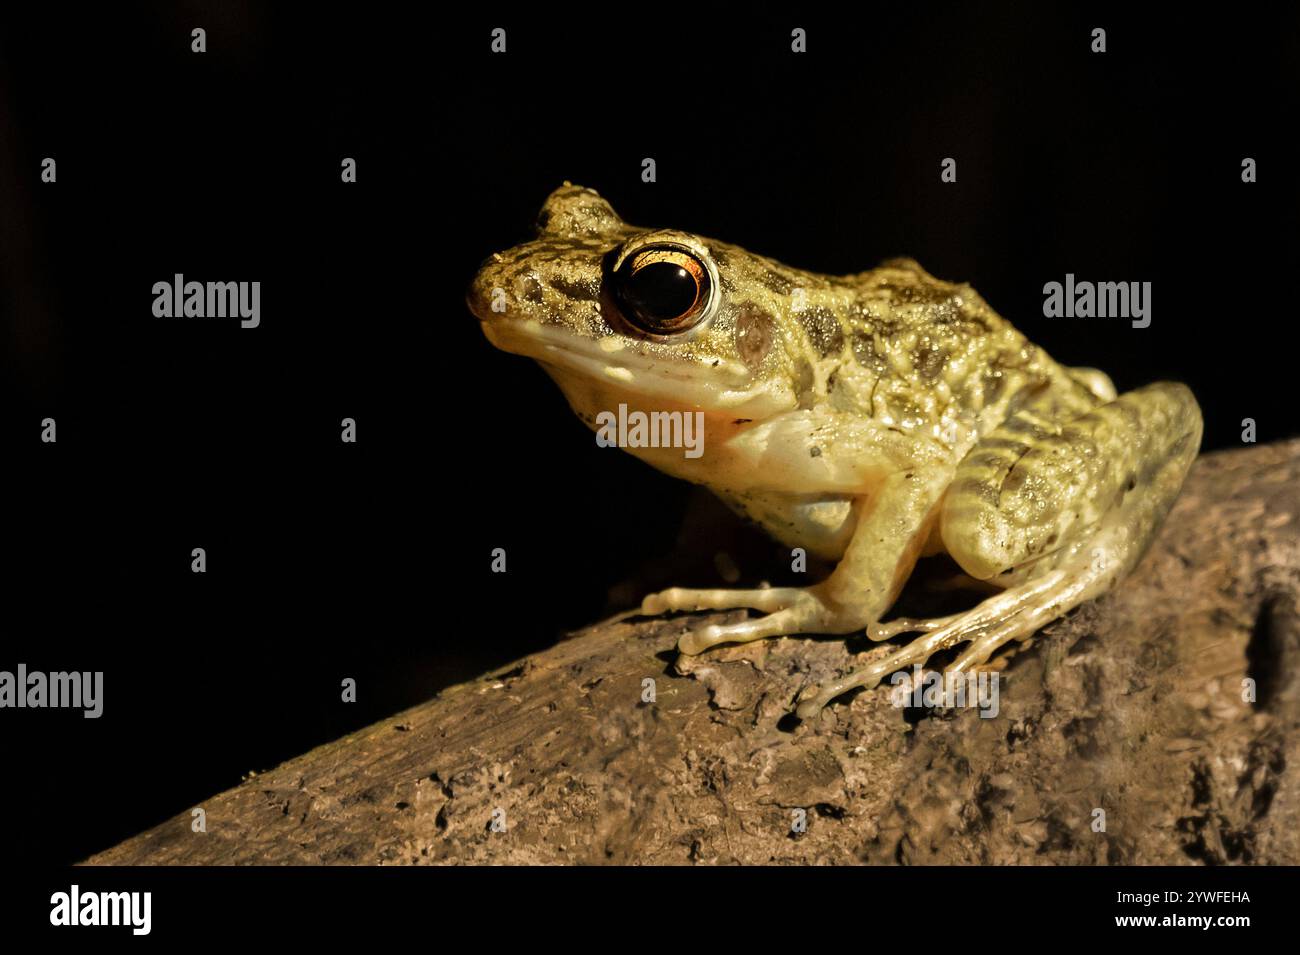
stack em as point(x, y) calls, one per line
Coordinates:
point(897, 344)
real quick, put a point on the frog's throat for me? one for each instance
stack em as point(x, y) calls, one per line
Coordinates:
point(624, 374)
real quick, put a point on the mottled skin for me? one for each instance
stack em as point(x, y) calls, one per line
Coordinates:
point(869, 419)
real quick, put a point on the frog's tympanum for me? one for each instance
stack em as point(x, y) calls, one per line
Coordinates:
point(870, 419)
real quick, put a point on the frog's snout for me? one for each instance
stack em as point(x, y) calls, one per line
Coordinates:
point(474, 299)
point(479, 294)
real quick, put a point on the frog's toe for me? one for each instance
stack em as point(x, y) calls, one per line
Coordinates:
point(884, 631)
point(777, 624)
point(765, 599)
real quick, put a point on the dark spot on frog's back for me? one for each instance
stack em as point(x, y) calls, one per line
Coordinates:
point(931, 361)
point(864, 348)
point(824, 330)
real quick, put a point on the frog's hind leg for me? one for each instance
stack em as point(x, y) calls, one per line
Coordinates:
point(1058, 513)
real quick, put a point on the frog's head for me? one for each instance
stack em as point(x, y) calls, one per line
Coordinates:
point(657, 318)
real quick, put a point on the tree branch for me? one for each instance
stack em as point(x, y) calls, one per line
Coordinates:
point(1132, 705)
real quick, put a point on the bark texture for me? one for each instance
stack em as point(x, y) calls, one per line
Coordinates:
point(1132, 705)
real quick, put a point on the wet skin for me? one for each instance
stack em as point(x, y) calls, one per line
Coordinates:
point(870, 419)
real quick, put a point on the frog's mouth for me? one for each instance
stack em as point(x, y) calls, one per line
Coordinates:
point(715, 385)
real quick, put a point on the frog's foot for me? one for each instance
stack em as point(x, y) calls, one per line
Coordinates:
point(1015, 614)
point(789, 610)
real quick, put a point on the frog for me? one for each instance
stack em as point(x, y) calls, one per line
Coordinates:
point(869, 419)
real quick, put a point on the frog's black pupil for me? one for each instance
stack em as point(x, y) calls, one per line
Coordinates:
point(660, 291)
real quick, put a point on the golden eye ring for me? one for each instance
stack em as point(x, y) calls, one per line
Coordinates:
point(663, 289)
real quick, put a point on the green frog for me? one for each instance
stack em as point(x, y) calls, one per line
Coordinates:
point(870, 419)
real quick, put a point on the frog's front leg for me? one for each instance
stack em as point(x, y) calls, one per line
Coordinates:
point(894, 523)
point(1058, 513)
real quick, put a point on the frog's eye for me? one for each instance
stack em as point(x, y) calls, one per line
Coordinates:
point(663, 290)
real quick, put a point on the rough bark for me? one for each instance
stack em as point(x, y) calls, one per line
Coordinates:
point(1132, 704)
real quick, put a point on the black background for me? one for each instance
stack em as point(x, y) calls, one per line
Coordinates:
point(371, 560)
